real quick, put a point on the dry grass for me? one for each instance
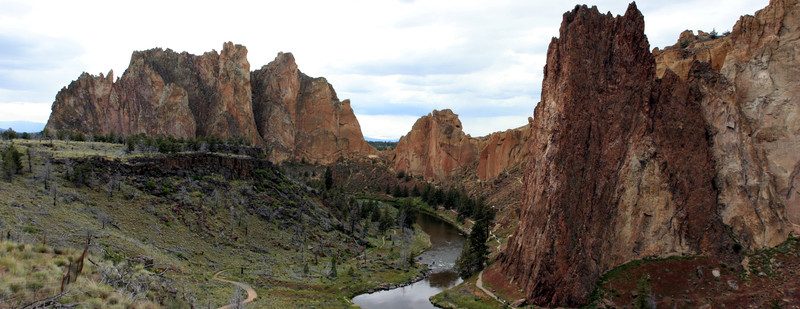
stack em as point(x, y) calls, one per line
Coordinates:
point(31, 273)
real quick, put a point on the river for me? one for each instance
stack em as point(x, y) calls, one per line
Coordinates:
point(446, 245)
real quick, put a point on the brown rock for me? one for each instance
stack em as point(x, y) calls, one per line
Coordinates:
point(620, 167)
point(501, 150)
point(301, 117)
point(760, 193)
point(751, 110)
point(435, 147)
point(167, 93)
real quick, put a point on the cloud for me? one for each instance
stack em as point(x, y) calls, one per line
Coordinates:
point(385, 127)
point(37, 112)
point(481, 58)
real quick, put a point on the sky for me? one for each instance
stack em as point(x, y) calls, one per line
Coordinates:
point(396, 60)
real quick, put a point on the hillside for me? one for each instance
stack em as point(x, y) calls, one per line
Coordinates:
point(189, 215)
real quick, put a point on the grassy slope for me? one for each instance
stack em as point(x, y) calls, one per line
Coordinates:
point(190, 235)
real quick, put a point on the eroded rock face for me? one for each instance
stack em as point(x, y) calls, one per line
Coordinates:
point(691, 47)
point(179, 94)
point(301, 117)
point(620, 167)
point(165, 93)
point(501, 150)
point(435, 147)
point(761, 182)
point(751, 108)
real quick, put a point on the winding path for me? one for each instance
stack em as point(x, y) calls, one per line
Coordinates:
point(479, 284)
point(251, 293)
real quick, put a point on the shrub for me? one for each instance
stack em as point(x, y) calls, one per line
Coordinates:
point(12, 162)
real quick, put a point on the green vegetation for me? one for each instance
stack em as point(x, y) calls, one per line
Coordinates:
point(465, 295)
point(475, 252)
point(189, 223)
point(382, 145)
point(12, 164)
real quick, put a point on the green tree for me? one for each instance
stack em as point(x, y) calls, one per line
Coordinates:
point(475, 252)
point(82, 174)
point(328, 178)
point(9, 134)
point(332, 274)
point(12, 163)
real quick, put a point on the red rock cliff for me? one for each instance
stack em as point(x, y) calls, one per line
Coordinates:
point(435, 147)
point(300, 117)
point(167, 93)
point(501, 150)
point(620, 167)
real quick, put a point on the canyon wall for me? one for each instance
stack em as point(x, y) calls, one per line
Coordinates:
point(686, 150)
point(437, 149)
point(301, 117)
point(620, 166)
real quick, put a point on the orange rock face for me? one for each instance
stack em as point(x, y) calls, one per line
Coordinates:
point(435, 147)
point(625, 165)
point(167, 93)
point(751, 108)
point(301, 117)
point(501, 150)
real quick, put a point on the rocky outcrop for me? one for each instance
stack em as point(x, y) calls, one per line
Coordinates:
point(301, 117)
point(164, 93)
point(179, 94)
point(690, 47)
point(435, 147)
point(620, 166)
point(750, 107)
point(501, 150)
point(758, 128)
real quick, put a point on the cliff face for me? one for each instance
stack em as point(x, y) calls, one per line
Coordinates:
point(620, 167)
point(751, 108)
point(301, 117)
point(167, 93)
point(164, 93)
point(501, 150)
point(435, 147)
point(760, 176)
point(690, 47)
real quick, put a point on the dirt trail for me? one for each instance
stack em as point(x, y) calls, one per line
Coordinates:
point(251, 293)
point(479, 284)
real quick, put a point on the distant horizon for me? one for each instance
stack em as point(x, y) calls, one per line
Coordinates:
point(395, 60)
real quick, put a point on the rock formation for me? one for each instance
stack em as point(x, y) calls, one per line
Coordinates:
point(301, 117)
point(759, 177)
point(435, 147)
point(620, 166)
point(501, 150)
point(183, 95)
point(751, 108)
point(690, 47)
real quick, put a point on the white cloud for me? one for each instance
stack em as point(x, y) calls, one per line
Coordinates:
point(481, 58)
point(385, 127)
point(36, 112)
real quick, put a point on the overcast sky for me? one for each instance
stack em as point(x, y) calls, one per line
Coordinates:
point(396, 60)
